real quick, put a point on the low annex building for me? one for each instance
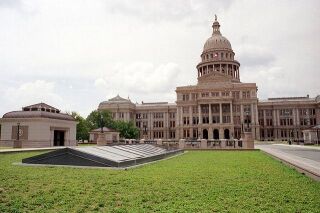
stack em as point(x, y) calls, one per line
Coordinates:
point(220, 105)
point(38, 125)
point(109, 134)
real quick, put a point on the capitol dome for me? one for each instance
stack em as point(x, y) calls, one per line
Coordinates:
point(216, 41)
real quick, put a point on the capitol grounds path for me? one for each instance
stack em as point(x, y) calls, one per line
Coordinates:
point(305, 159)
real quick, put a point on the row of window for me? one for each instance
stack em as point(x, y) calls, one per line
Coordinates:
point(217, 55)
point(268, 122)
point(234, 94)
point(289, 112)
point(205, 120)
point(288, 122)
point(160, 134)
point(142, 116)
point(215, 108)
point(269, 133)
point(156, 124)
point(156, 115)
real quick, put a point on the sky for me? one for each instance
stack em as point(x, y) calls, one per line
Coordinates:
point(74, 54)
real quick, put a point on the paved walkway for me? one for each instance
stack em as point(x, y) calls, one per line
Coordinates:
point(304, 158)
point(29, 149)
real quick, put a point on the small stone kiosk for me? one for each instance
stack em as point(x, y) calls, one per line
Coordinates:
point(107, 135)
point(38, 125)
point(312, 135)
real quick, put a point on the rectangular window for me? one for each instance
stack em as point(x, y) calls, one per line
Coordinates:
point(195, 120)
point(185, 120)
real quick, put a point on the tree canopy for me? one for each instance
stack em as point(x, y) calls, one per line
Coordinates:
point(82, 126)
point(126, 129)
point(93, 121)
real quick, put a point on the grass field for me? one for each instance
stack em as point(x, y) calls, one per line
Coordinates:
point(198, 181)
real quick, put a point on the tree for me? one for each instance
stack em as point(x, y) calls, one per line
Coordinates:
point(82, 126)
point(126, 129)
point(94, 119)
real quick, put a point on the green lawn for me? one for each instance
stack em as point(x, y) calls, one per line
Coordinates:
point(198, 181)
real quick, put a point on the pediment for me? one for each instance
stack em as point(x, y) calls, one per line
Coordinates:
point(214, 77)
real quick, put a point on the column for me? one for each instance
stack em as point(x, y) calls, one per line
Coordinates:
point(227, 69)
point(181, 116)
point(252, 115)
point(210, 114)
point(199, 113)
point(257, 114)
point(150, 132)
point(274, 118)
point(294, 116)
point(257, 136)
point(298, 117)
point(231, 113)
point(220, 106)
point(190, 115)
point(220, 69)
point(241, 113)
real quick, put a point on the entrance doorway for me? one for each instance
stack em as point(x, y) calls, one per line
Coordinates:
point(226, 134)
point(58, 138)
point(205, 134)
point(216, 134)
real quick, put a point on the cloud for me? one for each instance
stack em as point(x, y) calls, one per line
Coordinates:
point(145, 48)
point(10, 3)
point(140, 80)
point(165, 10)
point(100, 83)
point(31, 93)
point(254, 56)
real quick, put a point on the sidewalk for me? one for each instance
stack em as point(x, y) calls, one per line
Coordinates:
point(299, 146)
point(302, 164)
point(13, 150)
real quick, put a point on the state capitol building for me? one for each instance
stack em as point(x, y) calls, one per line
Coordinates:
point(219, 106)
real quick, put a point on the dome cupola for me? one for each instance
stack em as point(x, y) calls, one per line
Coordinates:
point(216, 41)
point(218, 57)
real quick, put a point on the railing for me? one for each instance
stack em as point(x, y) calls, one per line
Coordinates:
point(213, 144)
point(150, 142)
point(192, 144)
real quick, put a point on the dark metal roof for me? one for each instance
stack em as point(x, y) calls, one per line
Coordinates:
point(38, 114)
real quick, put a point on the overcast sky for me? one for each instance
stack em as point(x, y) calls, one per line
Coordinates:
point(73, 54)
